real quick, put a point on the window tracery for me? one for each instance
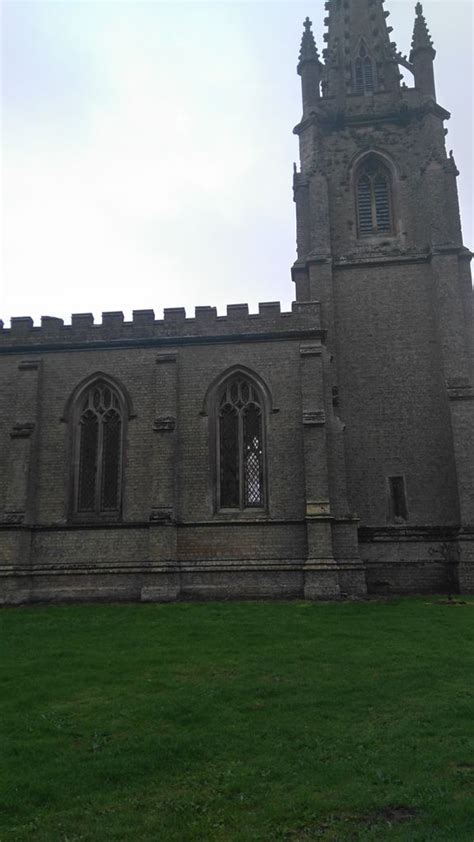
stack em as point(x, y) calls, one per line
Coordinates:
point(364, 76)
point(99, 438)
point(240, 445)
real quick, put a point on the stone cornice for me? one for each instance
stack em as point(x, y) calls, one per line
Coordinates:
point(378, 259)
point(150, 342)
point(408, 533)
point(461, 252)
point(330, 122)
point(220, 520)
point(459, 389)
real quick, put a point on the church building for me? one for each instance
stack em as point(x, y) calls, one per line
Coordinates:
point(319, 453)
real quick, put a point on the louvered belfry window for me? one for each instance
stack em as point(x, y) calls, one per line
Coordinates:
point(99, 464)
point(374, 203)
point(364, 82)
point(240, 446)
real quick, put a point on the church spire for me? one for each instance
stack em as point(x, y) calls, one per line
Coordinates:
point(360, 59)
point(309, 67)
point(422, 55)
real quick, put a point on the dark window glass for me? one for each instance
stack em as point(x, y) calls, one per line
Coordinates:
point(398, 499)
point(240, 443)
point(89, 439)
point(111, 446)
point(364, 76)
point(229, 457)
point(374, 203)
point(100, 434)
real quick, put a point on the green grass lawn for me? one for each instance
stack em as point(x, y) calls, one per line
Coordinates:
point(238, 721)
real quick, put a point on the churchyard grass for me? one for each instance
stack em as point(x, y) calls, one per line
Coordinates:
point(238, 722)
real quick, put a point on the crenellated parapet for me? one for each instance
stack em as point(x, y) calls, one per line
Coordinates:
point(174, 327)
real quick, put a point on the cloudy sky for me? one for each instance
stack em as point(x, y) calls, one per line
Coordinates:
point(147, 148)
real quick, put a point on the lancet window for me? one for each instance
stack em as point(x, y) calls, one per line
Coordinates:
point(99, 444)
point(364, 76)
point(374, 198)
point(240, 445)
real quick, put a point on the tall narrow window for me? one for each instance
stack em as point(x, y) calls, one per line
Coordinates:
point(99, 451)
point(240, 446)
point(374, 201)
point(364, 82)
point(398, 499)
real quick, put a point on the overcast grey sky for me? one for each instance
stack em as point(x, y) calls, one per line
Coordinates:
point(147, 148)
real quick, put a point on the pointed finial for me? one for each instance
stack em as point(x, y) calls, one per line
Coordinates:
point(421, 35)
point(308, 50)
point(422, 56)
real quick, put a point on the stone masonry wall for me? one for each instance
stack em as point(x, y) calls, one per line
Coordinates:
point(62, 558)
point(392, 395)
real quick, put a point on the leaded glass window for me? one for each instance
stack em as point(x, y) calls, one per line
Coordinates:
point(374, 202)
point(240, 446)
point(99, 445)
point(364, 82)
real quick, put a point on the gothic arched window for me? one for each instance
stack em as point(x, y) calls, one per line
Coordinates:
point(364, 82)
point(374, 198)
point(240, 445)
point(99, 420)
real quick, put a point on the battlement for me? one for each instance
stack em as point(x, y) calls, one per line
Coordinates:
point(237, 322)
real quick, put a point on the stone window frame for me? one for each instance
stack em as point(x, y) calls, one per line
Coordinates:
point(361, 60)
point(71, 416)
point(386, 165)
point(211, 409)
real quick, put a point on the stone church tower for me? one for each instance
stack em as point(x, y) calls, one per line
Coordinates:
point(380, 247)
point(322, 452)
